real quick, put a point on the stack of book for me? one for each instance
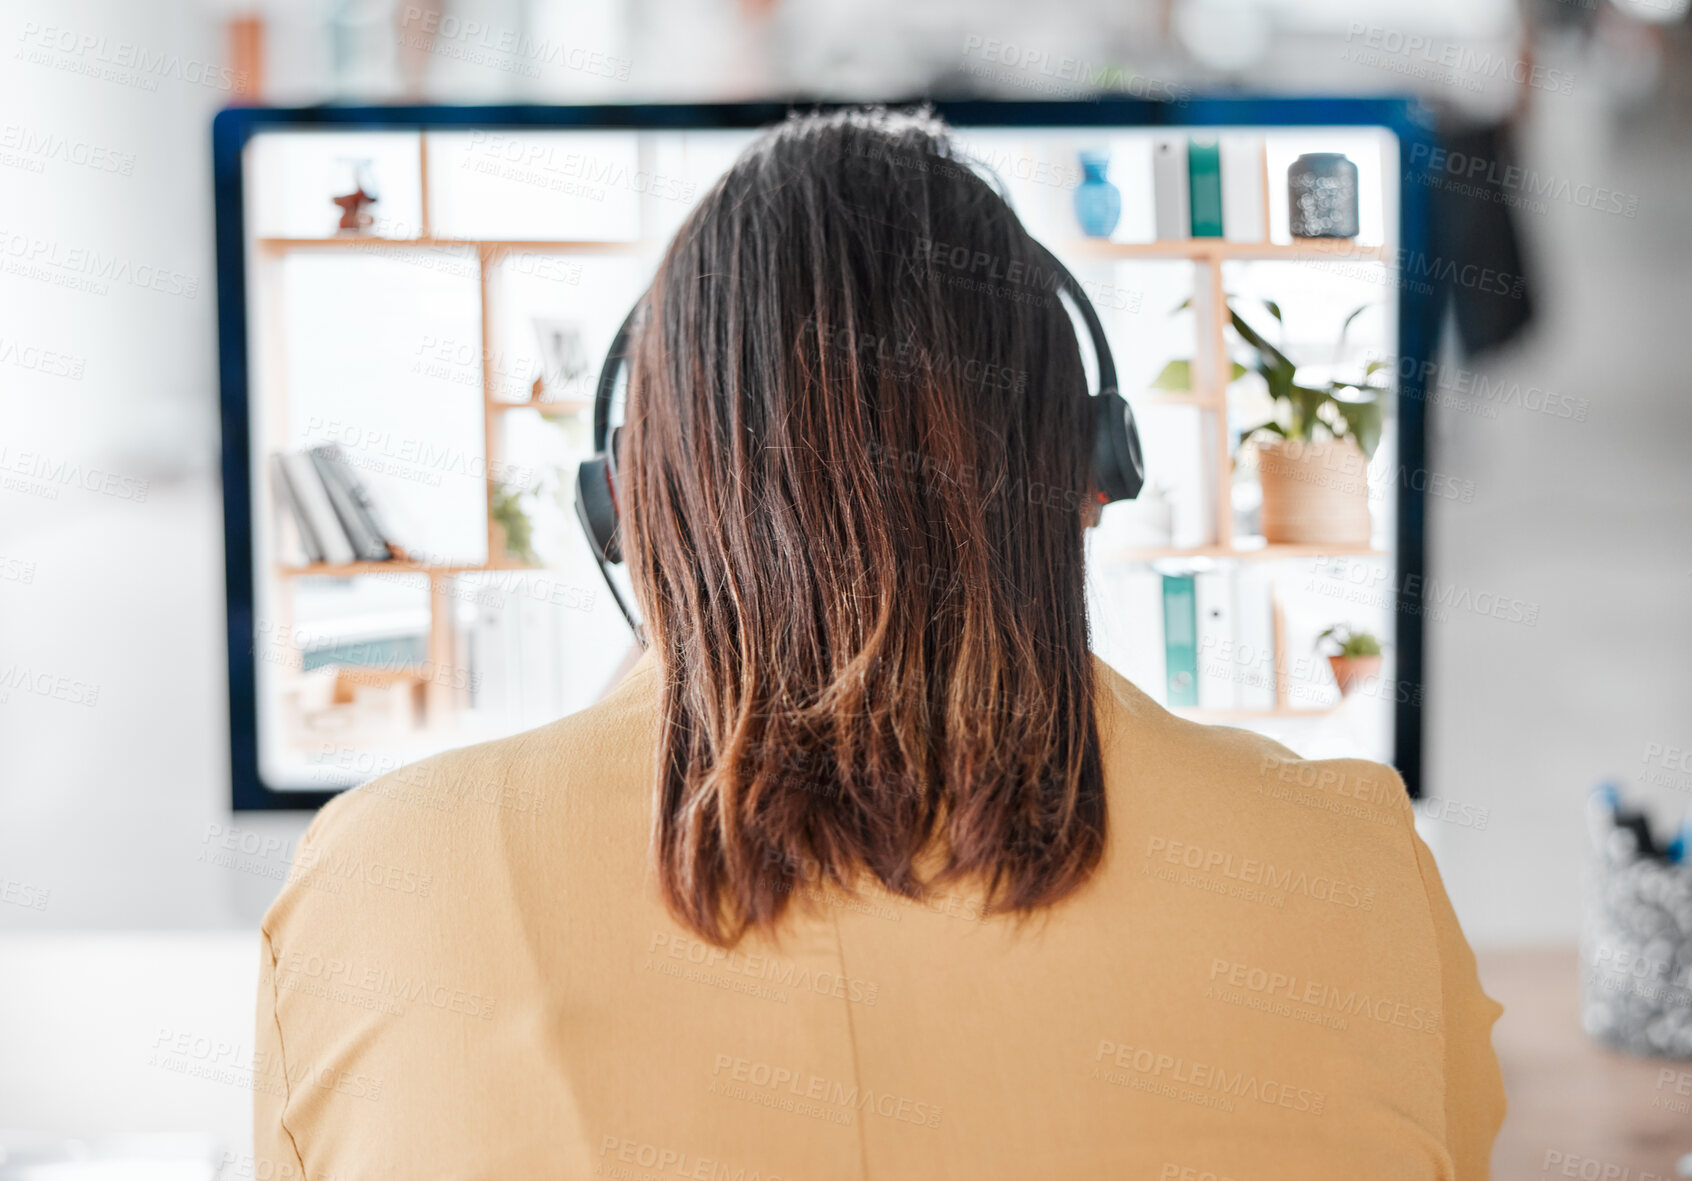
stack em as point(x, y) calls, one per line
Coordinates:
point(1210, 187)
point(325, 512)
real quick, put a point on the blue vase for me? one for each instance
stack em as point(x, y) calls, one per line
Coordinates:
point(1098, 203)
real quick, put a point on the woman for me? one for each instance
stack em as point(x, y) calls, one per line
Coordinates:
point(868, 869)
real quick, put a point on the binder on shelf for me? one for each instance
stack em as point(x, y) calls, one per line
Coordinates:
point(1254, 635)
point(1204, 187)
point(516, 651)
point(1213, 608)
point(492, 651)
point(366, 505)
point(544, 660)
point(1108, 626)
point(1245, 188)
point(1171, 210)
point(1126, 614)
point(1180, 640)
point(316, 514)
point(296, 544)
point(345, 496)
point(1142, 605)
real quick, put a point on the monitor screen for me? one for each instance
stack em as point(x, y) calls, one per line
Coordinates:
point(424, 311)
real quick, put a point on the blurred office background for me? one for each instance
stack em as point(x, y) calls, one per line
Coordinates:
point(120, 934)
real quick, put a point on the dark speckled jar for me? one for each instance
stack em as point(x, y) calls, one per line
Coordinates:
point(1322, 196)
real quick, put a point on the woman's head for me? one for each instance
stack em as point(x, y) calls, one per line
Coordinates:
point(854, 476)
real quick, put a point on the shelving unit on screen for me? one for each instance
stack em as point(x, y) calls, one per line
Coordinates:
point(413, 306)
point(446, 352)
point(1187, 598)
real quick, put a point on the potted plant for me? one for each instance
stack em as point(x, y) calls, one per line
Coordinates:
point(1313, 454)
point(1357, 656)
point(515, 529)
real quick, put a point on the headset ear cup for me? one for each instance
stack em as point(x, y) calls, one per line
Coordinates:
point(1118, 467)
point(596, 478)
point(1118, 471)
point(596, 508)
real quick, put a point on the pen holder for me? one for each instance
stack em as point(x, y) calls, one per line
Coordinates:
point(1636, 948)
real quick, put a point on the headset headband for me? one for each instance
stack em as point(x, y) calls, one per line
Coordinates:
point(616, 359)
point(1118, 468)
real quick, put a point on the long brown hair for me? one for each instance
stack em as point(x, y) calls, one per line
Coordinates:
point(855, 471)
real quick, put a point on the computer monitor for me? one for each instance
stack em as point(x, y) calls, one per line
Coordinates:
point(414, 302)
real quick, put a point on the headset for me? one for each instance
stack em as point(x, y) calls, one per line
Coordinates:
point(1119, 471)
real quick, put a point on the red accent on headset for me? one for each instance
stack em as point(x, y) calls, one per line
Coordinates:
point(611, 487)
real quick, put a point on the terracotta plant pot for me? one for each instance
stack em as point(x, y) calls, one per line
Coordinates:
point(1352, 671)
point(1314, 493)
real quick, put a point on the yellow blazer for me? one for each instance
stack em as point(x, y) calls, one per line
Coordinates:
point(469, 975)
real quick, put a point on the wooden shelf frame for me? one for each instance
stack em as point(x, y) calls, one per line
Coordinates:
point(356, 241)
point(353, 569)
point(1212, 362)
point(1224, 250)
point(1253, 553)
point(442, 697)
point(562, 406)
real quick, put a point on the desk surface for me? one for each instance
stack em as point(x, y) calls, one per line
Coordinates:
point(1566, 1093)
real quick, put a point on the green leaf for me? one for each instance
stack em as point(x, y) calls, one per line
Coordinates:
point(1363, 644)
point(1363, 423)
point(1274, 310)
point(507, 509)
point(1306, 402)
point(1346, 327)
point(1177, 377)
point(1350, 642)
point(1251, 336)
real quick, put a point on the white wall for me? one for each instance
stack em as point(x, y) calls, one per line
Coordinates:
point(104, 803)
